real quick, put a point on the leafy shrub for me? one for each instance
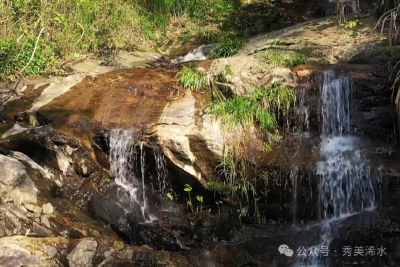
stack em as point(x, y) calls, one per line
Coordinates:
point(15, 56)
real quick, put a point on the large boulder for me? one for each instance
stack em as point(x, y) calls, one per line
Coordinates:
point(321, 38)
point(242, 74)
point(31, 204)
point(170, 116)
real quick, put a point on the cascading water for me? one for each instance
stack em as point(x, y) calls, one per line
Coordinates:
point(346, 186)
point(122, 151)
point(125, 154)
point(162, 172)
point(197, 54)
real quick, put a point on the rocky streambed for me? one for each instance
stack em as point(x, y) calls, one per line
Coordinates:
point(94, 166)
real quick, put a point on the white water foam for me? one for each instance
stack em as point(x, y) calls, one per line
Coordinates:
point(125, 154)
point(346, 187)
point(197, 54)
point(122, 151)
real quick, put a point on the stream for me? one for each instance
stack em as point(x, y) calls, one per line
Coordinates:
point(124, 167)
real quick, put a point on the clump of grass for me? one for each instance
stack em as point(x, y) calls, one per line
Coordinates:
point(259, 109)
point(381, 51)
point(284, 59)
point(228, 46)
point(235, 181)
point(275, 98)
point(245, 110)
point(220, 187)
point(192, 78)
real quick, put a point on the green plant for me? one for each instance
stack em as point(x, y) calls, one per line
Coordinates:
point(284, 59)
point(82, 28)
point(276, 97)
point(228, 70)
point(227, 46)
point(350, 24)
point(188, 189)
point(200, 199)
point(381, 51)
point(220, 186)
point(245, 110)
point(170, 196)
point(256, 109)
point(20, 57)
point(192, 78)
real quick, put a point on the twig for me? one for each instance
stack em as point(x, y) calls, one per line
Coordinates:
point(10, 93)
point(383, 16)
point(83, 33)
point(34, 50)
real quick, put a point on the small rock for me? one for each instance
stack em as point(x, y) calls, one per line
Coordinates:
point(69, 150)
point(52, 251)
point(303, 73)
point(33, 208)
point(83, 254)
point(33, 215)
point(40, 230)
point(48, 208)
point(45, 221)
point(84, 169)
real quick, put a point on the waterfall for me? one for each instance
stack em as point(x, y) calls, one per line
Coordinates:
point(162, 172)
point(197, 54)
point(128, 166)
point(346, 186)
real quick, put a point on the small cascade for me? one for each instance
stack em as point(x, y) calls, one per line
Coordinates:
point(162, 172)
point(128, 166)
point(302, 112)
point(294, 178)
point(142, 165)
point(197, 54)
point(346, 186)
point(122, 151)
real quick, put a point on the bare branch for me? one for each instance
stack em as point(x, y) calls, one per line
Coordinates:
point(83, 33)
point(33, 52)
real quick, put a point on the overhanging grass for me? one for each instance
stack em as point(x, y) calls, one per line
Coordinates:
point(226, 47)
point(192, 78)
point(259, 109)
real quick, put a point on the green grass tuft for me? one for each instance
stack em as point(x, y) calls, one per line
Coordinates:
point(259, 109)
point(192, 78)
point(284, 59)
point(227, 46)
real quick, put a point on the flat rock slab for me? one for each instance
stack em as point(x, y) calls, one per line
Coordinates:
point(323, 36)
point(125, 98)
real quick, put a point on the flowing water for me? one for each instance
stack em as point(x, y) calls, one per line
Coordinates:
point(345, 186)
point(125, 155)
point(197, 54)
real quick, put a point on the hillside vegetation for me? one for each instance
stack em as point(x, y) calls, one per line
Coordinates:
point(65, 30)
